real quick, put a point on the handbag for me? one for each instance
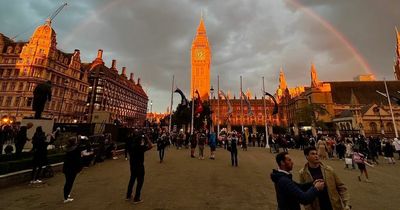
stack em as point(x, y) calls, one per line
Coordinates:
point(348, 161)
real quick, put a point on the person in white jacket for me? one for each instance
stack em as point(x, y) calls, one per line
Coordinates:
point(396, 144)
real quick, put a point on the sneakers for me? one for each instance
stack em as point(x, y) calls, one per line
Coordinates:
point(137, 201)
point(36, 181)
point(368, 181)
point(68, 200)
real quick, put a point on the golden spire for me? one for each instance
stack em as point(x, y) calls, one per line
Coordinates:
point(282, 80)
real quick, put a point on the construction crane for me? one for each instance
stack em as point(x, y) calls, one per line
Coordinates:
point(55, 13)
point(48, 20)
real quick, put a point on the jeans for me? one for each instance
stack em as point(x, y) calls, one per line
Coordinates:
point(234, 158)
point(69, 181)
point(136, 173)
point(161, 153)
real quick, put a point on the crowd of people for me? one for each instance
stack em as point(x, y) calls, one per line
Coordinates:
point(319, 187)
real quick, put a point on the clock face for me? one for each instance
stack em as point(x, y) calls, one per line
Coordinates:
point(199, 54)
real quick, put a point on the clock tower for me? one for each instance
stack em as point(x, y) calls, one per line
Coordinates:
point(201, 62)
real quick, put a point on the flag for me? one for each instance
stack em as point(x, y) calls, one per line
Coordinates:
point(184, 101)
point(249, 111)
point(230, 109)
point(275, 104)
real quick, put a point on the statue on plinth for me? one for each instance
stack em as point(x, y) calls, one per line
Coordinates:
point(41, 95)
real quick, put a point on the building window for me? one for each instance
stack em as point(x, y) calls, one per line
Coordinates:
point(17, 101)
point(29, 102)
point(12, 86)
point(389, 127)
point(4, 86)
point(1, 100)
point(8, 101)
point(374, 127)
point(21, 86)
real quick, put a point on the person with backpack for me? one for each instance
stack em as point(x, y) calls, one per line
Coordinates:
point(72, 166)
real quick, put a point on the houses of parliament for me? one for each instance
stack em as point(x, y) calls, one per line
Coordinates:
point(350, 107)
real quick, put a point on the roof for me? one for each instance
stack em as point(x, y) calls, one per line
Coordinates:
point(365, 91)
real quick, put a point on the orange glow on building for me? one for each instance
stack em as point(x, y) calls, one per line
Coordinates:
point(201, 62)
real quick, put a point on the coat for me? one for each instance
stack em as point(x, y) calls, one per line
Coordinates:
point(337, 191)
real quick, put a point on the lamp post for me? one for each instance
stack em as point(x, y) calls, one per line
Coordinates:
point(211, 97)
point(19, 102)
point(151, 110)
point(62, 99)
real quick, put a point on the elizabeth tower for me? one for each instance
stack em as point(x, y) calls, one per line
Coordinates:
point(201, 62)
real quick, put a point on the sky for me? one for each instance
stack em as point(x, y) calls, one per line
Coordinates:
point(252, 39)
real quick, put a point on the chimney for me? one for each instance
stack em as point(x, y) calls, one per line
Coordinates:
point(100, 54)
point(131, 77)
point(138, 81)
point(114, 64)
point(123, 71)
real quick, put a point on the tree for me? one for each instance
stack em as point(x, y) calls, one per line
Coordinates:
point(309, 115)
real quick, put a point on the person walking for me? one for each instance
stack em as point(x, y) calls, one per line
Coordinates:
point(39, 154)
point(359, 159)
point(388, 151)
point(334, 196)
point(201, 142)
point(72, 166)
point(212, 144)
point(193, 143)
point(290, 194)
point(232, 143)
point(140, 144)
point(21, 139)
point(162, 142)
point(322, 149)
point(396, 144)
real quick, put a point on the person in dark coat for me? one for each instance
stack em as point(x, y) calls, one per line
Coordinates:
point(162, 142)
point(41, 95)
point(72, 166)
point(233, 141)
point(290, 194)
point(39, 154)
point(21, 139)
point(140, 144)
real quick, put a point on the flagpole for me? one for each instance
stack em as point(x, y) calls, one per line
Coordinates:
point(265, 116)
point(241, 104)
point(170, 108)
point(191, 124)
point(391, 111)
point(218, 106)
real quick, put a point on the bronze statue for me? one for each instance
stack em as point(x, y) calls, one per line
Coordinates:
point(41, 94)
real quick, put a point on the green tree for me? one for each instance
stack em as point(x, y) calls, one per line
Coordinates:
point(310, 114)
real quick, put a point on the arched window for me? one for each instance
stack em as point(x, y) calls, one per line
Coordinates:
point(348, 126)
point(373, 127)
point(9, 49)
point(390, 127)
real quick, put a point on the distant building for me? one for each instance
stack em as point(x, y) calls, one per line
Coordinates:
point(365, 77)
point(23, 65)
point(113, 92)
point(155, 117)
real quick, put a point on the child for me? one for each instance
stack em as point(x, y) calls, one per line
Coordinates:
point(359, 158)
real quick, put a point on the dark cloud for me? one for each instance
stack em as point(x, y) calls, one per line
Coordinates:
point(152, 38)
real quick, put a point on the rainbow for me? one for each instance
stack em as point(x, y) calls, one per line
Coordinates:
point(361, 60)
point(358, 56)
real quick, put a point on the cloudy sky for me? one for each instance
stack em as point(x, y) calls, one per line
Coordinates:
point(252, 38)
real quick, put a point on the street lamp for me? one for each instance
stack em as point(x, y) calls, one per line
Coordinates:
point(62, 99)
point(151, 110)
point(211, 97)
point(19, 102)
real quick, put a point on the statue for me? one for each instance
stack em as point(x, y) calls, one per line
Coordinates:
point(41, 94)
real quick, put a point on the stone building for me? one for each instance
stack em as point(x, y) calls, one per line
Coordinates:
point(114, 92)
point(23, 65)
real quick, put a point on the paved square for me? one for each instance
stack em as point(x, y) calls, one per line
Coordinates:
point(182, 182)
